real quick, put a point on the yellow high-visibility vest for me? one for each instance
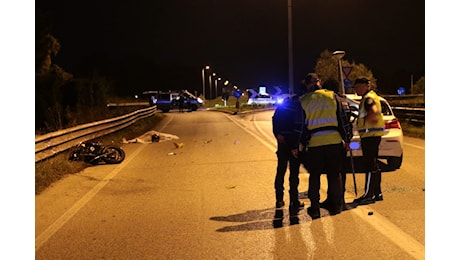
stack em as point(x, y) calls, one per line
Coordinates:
point(321, 112)
point(365, 128)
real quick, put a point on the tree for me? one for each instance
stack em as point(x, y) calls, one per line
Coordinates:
point(419, 86)
point(327, 69)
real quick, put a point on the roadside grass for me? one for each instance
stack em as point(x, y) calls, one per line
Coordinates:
point(55, 168)
point(413, 130)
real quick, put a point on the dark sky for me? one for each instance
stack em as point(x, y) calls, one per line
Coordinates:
point(164, 44)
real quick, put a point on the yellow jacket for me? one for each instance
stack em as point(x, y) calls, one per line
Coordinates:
point(321, 117)
point(366, 128)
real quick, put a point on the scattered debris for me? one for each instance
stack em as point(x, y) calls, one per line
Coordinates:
point(179, 145)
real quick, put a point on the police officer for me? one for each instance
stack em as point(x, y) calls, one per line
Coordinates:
point(345, 128)
point(324, 146)
point(371, 128)
point(288, 122)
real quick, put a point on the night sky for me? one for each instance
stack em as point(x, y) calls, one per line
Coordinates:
point(164, 44)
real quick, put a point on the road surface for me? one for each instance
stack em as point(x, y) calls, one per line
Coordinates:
point(214, 199)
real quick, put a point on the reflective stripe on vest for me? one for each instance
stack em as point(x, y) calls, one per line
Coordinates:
point(365, 128)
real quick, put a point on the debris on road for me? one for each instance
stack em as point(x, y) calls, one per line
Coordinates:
point(179, 145)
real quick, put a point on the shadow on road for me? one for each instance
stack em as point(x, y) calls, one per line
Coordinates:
point(269, 218)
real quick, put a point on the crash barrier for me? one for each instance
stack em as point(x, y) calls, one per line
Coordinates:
point(412, 114)
point(128, 104)
point(52, 143)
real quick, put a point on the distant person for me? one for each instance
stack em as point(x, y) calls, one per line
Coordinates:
point(371, 128)
point(181, 103)
point(288, 122)
point(325, 145)
point(346, 129)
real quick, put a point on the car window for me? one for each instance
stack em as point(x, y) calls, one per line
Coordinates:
point(386, 111)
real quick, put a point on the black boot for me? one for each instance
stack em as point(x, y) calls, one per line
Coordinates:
point(295, 204)
point(368, 197)
point(279, 199)
point(314, 210)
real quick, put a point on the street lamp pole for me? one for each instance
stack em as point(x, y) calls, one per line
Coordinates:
point(202, 78)
point(340, 55)
point(210, 85)
point(216, 79)
point(291, 62)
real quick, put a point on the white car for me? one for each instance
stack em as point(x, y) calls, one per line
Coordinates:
point(262, 99)
point(391, 146)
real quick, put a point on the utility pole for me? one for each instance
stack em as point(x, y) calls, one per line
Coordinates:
point(291, 63)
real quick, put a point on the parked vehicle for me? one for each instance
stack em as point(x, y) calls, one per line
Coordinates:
point(391, 146)
point(95, 153)
point(167, 100)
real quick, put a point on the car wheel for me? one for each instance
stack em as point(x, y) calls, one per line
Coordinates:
point(394, 162)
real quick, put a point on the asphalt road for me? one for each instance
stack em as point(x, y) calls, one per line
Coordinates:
point(214, 199)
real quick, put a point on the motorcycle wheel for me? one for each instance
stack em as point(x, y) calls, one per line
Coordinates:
point(74, 154)
point(114, 155)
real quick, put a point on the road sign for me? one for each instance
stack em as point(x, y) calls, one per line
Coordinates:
point(237, 93)
point(347, 83)
point(346, 71)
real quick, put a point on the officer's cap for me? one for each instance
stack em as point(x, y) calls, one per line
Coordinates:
point(362, 80)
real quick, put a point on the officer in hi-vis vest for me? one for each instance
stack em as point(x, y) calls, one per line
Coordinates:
point(325, 145)
point(371, 128)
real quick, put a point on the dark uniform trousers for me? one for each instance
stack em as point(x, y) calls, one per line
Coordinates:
point(370, 148)
point(325, 159)
point(284, 157)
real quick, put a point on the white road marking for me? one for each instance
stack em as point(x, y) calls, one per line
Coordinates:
point(416, 146)
point(392, 232)
point(60, 222)
point(378, 222)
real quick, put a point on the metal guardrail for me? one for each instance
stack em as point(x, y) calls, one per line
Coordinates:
point(412, 114)
point(52, 143)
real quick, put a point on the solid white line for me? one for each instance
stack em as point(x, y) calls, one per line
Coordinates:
point(416, 146)
point(268, 145)
point(391, 231)
point(377, 221)
point(59, 223)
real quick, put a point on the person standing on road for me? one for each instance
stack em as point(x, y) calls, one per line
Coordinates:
point(288, 123)
point(181, 103)
point(325, 145)
point(371, 128)
point(346, 131)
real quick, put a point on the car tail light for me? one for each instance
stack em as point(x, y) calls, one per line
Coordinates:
point(394, 123)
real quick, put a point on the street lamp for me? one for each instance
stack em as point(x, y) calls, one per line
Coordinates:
point(210, 84)
point(202, 78)
point(340, 55)
point(215, 85)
